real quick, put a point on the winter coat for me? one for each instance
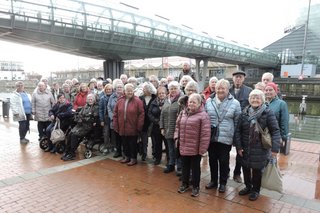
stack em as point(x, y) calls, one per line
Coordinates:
point(168, 117)
point(154, 112)
point(207, 92)
point(111, 105)
point(42, 102)
point(280, 109)
point(17, 107)
point(85, 119)
point(146, 107)
point(129, 121)
point(242, 96)
point(64, 113)
point(80, 100)
point(227, 126)
point(254, 155)
point(103, 108)
point(193, 132)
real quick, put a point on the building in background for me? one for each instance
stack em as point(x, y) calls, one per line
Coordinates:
point(11, 70)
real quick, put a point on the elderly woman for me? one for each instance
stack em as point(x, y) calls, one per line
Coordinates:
point(128, 118)
point(115, 137)
point(105, 119)
point(168, 117)
point(87, 120)
point(260, 86)
point(21, 110)
point(254, 157)
point(154, 112)
point(279, 108)
point(61, 111)
point(81, 97)
point(149, 94)
point(211, 88)
point(193, 132)
point(42, 101)
point(224, 111)
point(184, 80)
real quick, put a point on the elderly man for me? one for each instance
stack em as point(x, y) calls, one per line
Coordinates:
point(187, 71)
point(241, 93)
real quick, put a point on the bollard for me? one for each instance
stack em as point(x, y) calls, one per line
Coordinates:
point(6, 108)
point(286, 148)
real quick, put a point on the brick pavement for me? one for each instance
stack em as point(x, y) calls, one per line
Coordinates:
point(34, 181)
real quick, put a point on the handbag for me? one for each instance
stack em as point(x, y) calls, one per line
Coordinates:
point(57, 134)
point(265, 137)
point(271, 177)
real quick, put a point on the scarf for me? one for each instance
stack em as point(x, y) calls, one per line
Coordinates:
point(254, 114)
point(160, 102)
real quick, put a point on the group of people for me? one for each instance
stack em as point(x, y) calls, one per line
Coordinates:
point(124, 114)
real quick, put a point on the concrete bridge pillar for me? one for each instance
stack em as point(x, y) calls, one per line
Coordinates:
point(201, 75)
point(113, 69)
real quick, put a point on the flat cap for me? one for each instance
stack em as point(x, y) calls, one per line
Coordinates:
point(239, 72)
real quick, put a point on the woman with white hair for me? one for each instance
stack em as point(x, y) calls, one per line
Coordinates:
point(168, 117)
point(149, 94)
point(254, 157)
point(184, 80)
point(87, 119)
point(210, 90)
point(128, 118)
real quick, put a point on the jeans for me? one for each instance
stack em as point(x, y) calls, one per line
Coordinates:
point(172, 152)
point(219, 156)
point(116, 139)
point(24, 127)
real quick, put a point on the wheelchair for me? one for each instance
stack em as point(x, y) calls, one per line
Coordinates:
point(90, 143)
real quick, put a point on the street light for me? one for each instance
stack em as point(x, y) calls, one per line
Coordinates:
point(304, 43)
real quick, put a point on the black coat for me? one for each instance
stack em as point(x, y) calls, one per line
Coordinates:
point(64, 113)
point(254, 155)
point(146, 107)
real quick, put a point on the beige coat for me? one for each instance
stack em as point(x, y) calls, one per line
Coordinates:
point(42, 102)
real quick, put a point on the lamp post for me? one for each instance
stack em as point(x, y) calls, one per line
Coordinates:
point(304, 43)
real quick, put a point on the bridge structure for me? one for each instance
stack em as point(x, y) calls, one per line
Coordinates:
point(114, 33)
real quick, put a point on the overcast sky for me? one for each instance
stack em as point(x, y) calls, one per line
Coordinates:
point(256, 23)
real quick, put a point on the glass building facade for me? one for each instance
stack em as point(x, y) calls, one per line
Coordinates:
point(290, 47)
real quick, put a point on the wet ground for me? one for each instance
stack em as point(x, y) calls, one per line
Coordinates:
point(34, 181)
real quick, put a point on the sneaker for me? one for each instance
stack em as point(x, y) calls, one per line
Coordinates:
point(68, 157)
point(211, 185)
point(195, 192)
point(24, 141)
point(253, 196)
point(237, 178)
point(183, 188)
point(168, 169)
point(132, 162)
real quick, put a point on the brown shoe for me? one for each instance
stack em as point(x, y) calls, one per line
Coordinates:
point(125, 160)
point(132, 162)
point(237, 178)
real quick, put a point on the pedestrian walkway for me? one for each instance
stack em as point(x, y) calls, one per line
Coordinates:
point(34, 181)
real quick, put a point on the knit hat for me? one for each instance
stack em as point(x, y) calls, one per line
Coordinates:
point(273, 85)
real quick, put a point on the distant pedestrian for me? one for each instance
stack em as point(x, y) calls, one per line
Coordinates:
point(187, 71)
point(21, 110)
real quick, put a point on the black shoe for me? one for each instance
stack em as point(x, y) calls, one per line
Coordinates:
point(183, 188)
point(168, 169)
point(211, 185)
point(222, 188)
point(68, 157)
point(253, 196)
point(116, 155)
point(64, 154)
point(156, 162)
point(245, 191)
point(195, 192)
point(53, 150)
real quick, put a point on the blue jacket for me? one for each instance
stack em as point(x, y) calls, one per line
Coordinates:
point(103, 108)
point(228, 124)
point(242, 96)
point(280, 109)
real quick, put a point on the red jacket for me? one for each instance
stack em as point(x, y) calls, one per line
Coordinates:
point(128, 122)
point(207, 92)
point(80, 100)
point(194, 130)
